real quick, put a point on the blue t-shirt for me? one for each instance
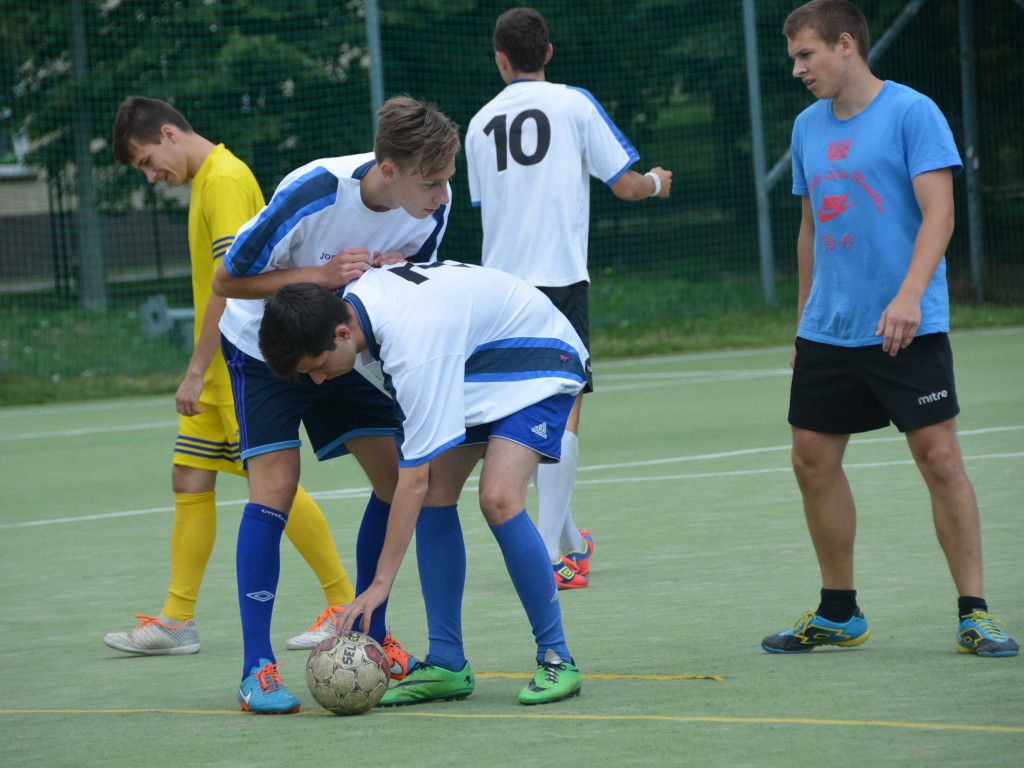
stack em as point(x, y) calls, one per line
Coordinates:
point(859, 176)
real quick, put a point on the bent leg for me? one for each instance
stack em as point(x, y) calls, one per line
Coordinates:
point(936, 450)
point(507, 469)
point(310, 533)
point(828, 503)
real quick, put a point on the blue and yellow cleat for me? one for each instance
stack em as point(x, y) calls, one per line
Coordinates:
point(580, 561)
point(813, 630)
point(263, 692)
point(982, 633)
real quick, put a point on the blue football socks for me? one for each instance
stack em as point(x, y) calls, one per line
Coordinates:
point(441, 557)
point(369, 543)
point(258, 567)
point(526, 558)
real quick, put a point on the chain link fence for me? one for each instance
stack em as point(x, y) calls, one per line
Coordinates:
point(93, 261)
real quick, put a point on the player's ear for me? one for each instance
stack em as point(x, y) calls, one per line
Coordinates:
point(388, 170)
point(168, 132)
point(342, 331)
point(847, 45)
point(547, 56)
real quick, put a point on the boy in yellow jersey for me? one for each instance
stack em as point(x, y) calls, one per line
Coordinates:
point(155, 138)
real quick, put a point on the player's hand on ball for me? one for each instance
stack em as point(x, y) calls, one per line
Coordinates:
point(364, 603)
point(347, 265)
point(391, 257)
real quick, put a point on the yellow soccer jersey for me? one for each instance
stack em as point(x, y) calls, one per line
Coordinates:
point(225, 196)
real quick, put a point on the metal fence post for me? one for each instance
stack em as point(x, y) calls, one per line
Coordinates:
point(764, 227)
point(376, 64)
point(969, 105)
point(92, 285)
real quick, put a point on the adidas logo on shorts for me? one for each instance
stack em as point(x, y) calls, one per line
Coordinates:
point(541, 430)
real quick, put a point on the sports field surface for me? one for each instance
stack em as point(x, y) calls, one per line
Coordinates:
point(701, 550)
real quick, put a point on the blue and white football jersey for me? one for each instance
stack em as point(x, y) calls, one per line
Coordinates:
point(317, 211)
point(531, 152)
point(462, 345)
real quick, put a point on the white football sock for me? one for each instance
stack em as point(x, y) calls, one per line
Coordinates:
point(554, 491)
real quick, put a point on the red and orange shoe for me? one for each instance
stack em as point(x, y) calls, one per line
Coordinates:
point(567, 577)
point(402, 662)
point(581, 560)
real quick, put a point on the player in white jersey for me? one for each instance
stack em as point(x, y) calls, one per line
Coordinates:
point(476, 360)
point(326, 223)
point(531, 152)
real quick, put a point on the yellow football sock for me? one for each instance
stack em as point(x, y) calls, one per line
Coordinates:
point(192, 537)
point(308, 530)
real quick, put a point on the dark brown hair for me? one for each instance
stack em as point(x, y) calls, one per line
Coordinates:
point(830, 18)
point(140, 119)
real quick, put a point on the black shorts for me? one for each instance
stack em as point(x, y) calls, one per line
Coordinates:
point(843, 390)
point(573, 302)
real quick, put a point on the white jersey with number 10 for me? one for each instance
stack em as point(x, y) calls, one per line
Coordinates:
point(531, 152)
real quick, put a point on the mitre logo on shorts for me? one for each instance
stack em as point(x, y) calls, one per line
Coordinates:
point(934, 397)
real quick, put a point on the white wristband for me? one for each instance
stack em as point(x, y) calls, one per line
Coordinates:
point(657, 183)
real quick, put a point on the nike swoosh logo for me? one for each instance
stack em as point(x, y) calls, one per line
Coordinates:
point(244, 696)
point(396, 668)
point(824, 216)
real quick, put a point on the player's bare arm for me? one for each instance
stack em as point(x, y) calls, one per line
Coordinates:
point(639, 186)
point(186, 399)
point(346, 266)
point(405, 511)
point(804, 261)
point(900, 320)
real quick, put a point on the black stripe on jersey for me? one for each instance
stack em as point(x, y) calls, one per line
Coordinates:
point(494, 363)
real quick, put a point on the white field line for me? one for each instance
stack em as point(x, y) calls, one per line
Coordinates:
point(773, 448)
point(355, 493)
point(111, 405)
point(730, 353)
point(87, 431)
point(664, 379)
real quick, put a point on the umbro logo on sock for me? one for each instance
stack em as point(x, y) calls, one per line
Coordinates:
point(262, 596)
point(541, 430)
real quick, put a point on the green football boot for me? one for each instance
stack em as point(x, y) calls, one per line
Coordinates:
point(555, 680)
point(429, 682)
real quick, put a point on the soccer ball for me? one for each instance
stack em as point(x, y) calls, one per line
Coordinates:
point(348, 674)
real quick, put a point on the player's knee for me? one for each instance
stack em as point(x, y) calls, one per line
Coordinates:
point(499, 506)
point(941, 464)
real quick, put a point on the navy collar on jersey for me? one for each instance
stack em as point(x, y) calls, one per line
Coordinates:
point(515, 80)
point(359, 172)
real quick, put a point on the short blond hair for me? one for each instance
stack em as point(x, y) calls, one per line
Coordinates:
point(415, 134)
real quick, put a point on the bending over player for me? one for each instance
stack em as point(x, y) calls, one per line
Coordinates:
point(475, 360)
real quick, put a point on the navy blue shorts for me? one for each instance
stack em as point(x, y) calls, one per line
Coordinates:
point(269, 409)
point(539, 427)
point(573, 301)
point(844, 390)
